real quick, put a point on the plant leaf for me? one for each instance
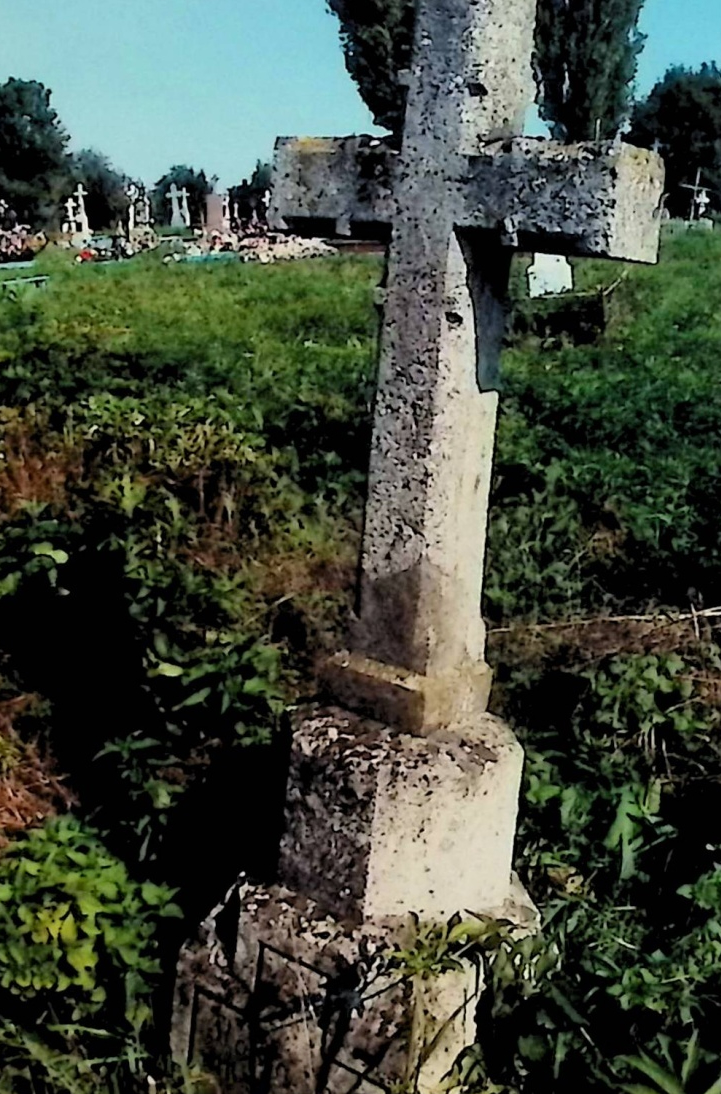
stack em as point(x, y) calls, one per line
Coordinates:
point(648, 1067)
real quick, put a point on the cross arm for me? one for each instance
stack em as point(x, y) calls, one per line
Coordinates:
point(329, 185)
point(599, 200)
point(594, 199)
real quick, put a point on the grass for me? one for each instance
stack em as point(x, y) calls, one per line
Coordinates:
point(181, 485)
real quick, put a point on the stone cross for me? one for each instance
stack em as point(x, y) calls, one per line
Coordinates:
point(700, 199)
point(69, 225)
point(401, 804)
point(81, 215)
point(176, 217)
point(463, 194)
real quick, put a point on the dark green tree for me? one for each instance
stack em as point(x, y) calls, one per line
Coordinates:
point(249, 196)
point(377, 39)
point(195, 182)
point(682, 119)
point(586, 60)
point(33, 161)
point(260, 179)
point(586, 57)
point(106, 201)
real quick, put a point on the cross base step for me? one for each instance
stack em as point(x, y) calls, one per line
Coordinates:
point(410, 701)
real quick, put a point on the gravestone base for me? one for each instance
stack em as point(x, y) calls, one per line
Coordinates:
point(292, 986)
point(79, 240)
point(308, 1004)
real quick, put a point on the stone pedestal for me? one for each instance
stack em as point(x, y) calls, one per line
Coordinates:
point(293, 986)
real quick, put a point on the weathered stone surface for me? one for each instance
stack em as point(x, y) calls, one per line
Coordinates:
point(379, 823)
point(307, 1004)
point(597, 199)
point(344, 185)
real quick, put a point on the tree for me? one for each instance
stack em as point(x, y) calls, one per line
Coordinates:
point(106, 201)
point(586, 60)
point(195, 182)
point(586, 57)
point(249, 197)
point(377, 39)
point(682, 118)
point(260, 179)
point(33, 161)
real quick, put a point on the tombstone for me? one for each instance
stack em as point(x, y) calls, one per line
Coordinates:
point(83, 225)
point(185, 208)
point(69, 225)
point(132, 193)
point(402, 795)
point(226, 212)
point(143, 214)
point(700, 202)
point(214, 213)
point(549, 275)
point(176, 217)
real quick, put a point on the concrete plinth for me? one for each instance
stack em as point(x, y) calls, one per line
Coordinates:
point(292, 986)
point(382, 824)
point(307, 1005)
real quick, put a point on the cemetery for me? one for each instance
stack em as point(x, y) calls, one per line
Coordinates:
point(360, 613)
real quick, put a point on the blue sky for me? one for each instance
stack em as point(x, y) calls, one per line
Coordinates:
point(211, 82)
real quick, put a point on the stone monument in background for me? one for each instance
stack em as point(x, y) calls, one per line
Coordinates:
point(402, 792)
point(549, 275)
point(176, 217)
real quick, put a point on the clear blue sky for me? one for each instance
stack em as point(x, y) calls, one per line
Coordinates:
point(211, 82)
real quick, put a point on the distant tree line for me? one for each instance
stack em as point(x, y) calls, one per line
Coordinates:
point(586, 57)
point(37, 172)
point(681, 118)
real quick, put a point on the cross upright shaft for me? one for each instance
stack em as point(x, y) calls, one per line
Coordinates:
point(422, 563)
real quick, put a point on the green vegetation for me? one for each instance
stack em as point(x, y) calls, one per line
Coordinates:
point(183, 461)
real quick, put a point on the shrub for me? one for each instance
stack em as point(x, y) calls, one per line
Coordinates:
point(78, 935)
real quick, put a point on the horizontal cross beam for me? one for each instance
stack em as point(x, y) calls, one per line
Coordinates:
point(595, 199)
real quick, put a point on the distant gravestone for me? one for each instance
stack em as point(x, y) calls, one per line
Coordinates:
point(142, 209)
point(132, 193)
point(83, 225)
point(549, 275)
point(69, 226)
point(214, 213)
point(176, 217)
point(700, 203)
point(184, 207)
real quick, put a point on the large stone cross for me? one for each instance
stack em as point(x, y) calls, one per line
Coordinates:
point(385, 828)
point(464, 193)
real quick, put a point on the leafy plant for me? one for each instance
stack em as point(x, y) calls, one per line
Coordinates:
point(667, 1081)
point(78, 935)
